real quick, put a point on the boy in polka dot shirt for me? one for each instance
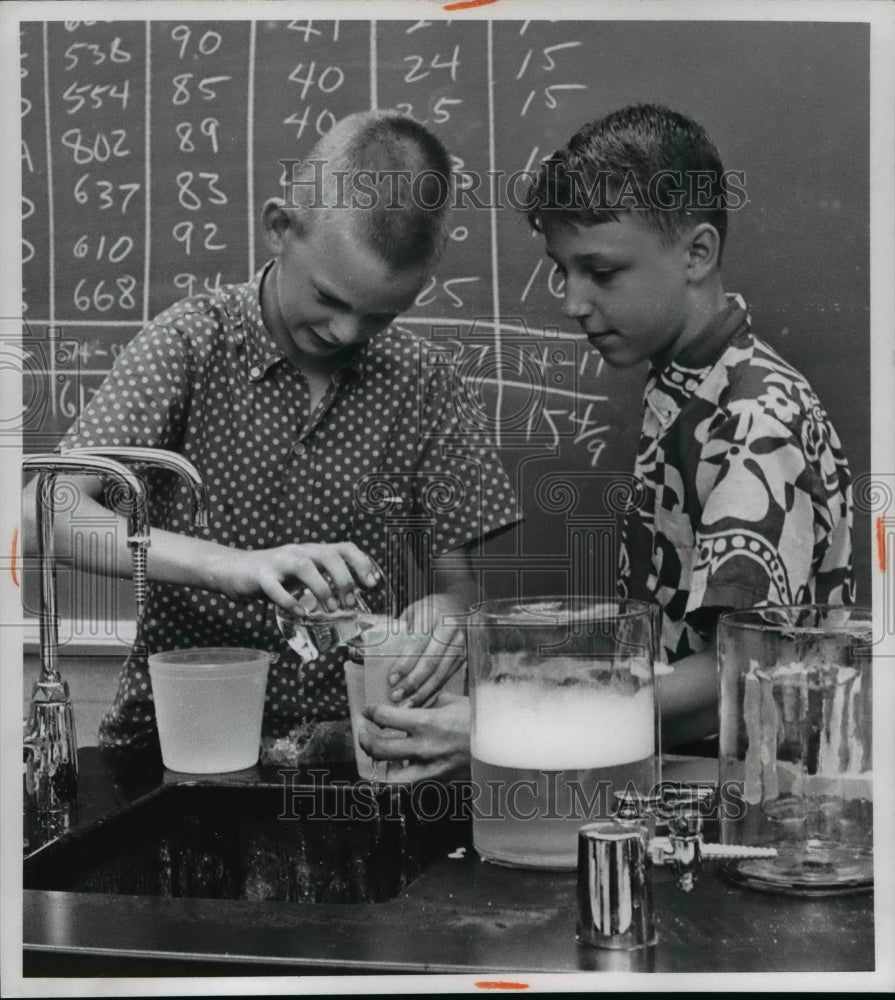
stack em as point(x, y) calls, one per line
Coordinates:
point(301, 403)
point(744, 495)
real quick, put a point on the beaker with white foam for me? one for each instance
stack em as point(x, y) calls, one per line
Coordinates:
point(564, 715)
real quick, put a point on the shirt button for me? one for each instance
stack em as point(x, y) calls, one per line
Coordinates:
point(299, 450)
point(254, 371)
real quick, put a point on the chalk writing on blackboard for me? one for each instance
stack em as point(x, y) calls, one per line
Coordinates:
point(148, 150)
point(145, 132)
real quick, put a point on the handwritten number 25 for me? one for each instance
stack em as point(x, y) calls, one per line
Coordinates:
point(440, 112)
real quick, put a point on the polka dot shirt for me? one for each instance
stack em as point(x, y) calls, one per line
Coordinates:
point(390, 452)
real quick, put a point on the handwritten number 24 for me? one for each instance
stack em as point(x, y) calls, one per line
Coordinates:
point(416, 72)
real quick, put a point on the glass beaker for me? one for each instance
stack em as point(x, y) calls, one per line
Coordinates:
point(374, 655)
point(795, 751)
point(563, 715)
point(313, 630)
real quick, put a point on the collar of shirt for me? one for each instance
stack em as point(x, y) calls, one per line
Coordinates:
point(668, 390)
point(262, 351)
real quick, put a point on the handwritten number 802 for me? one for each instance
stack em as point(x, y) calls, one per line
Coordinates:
point(102, 149)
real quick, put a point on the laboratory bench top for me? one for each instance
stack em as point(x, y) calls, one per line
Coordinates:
point(460, 915)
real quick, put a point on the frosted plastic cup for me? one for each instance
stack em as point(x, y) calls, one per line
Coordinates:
point(208, 706)
point(367, 683)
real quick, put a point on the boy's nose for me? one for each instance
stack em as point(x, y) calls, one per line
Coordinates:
point(575, 303)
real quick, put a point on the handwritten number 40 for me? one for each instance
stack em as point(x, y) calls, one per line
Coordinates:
point(330, 79)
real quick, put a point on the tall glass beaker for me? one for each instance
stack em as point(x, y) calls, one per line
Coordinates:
point(564, 714)
point(795, 751)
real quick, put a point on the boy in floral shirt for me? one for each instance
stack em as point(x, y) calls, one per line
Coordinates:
point(743, 493)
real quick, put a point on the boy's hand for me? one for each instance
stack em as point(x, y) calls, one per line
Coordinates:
point(331, 571)
point(437, 740)
point(438, 652)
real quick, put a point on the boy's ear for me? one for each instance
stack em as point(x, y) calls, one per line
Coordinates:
point(703, 251)
point(276, 224)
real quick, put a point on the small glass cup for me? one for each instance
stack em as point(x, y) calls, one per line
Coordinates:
point(313, 630)
point(366, 675)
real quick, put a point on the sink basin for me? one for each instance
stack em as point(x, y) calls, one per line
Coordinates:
point(301, 844)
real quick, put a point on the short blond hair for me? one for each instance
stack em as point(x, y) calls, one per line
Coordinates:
point(388, 176)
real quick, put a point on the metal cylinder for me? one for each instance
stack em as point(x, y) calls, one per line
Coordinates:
point(615, 897)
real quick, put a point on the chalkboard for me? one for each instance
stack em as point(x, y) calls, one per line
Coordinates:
point(148, 149)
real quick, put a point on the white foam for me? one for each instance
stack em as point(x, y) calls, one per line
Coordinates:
point(521, 723)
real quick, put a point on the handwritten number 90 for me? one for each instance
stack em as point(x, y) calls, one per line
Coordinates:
point(207, 45)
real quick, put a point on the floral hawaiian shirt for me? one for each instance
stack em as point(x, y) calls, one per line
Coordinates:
point(744, 494)
point(390, 452)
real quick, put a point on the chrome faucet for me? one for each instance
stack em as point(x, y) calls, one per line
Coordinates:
point(156, 458)
point(683, 808)
point(50, 744)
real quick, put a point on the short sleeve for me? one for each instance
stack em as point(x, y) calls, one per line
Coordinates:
point(774, 509)
point(144, 398)
point(460, 481)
